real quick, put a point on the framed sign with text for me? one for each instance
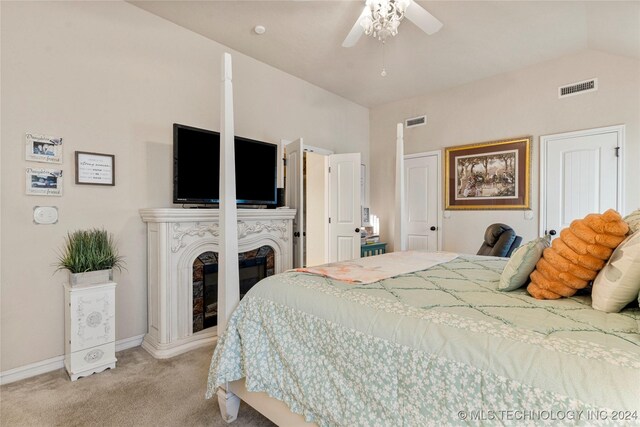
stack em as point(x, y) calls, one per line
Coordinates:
point(95, 168)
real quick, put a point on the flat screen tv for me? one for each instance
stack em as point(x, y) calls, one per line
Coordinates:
point(196, 168)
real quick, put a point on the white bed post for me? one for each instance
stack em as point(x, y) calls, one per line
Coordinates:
point(399, 240)
point(228, 275)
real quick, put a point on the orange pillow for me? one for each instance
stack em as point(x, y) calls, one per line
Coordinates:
point(574, 258)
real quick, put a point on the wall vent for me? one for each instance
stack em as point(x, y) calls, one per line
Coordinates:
point(578, 88)
point(415, 121)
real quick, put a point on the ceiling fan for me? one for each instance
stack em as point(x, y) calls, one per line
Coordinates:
point(381, 18)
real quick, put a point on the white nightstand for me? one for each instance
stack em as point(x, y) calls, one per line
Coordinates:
point(89, 331)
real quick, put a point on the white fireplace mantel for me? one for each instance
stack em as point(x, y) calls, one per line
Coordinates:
point(175, 238)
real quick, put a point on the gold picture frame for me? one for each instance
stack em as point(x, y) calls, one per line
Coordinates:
point(489, 175)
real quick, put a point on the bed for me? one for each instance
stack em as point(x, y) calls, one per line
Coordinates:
point(440, 346)
point(432, 346)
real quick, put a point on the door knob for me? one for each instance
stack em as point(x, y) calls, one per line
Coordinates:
point(552, 232)
point(357, 230)
point(433, 228)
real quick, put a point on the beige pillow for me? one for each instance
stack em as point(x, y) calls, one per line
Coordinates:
point(521, 264)
point(633, 220)
point(618, 283)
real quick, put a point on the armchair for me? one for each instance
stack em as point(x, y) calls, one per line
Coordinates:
point(499, 240)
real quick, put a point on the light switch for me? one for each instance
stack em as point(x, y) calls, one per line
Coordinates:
point(45, 215)
point(528, 215)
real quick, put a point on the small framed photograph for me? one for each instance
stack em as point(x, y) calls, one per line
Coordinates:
point(44, 182)
point(95, 168)
point(43, 148)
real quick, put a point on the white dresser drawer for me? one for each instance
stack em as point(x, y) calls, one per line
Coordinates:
point(90, 358)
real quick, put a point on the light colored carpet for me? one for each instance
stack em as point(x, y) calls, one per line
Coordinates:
point(141, 391)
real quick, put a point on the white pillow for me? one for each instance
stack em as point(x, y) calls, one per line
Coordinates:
point(521, 264)
point(633, 220)
point(618, 283)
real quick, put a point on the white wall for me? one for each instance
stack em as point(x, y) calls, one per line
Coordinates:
point(518, 103)
point(112, 78)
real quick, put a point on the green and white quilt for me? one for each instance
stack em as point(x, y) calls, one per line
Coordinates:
point(436, 347)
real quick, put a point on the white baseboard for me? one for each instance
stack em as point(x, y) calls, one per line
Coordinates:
point(48, 365)
point(128, 343)
point(31, 370)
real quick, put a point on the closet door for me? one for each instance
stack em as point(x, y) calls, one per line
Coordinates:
point(581, 174)
point(295, 197)
point(344, 207)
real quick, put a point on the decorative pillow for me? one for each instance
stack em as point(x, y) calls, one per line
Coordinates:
point(619, 281)
point(575, 258)
point(633, 220)
point(522, 263)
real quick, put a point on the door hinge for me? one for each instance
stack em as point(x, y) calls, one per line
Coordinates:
point(284, 161)
point(617, 151)
point(329, 169)
point(329, 220)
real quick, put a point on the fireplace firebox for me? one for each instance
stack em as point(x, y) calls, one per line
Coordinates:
point(254, 266)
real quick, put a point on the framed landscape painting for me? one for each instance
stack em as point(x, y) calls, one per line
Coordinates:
point(489, 175)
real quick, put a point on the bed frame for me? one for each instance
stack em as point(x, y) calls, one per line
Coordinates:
point(275, 410)
point(231, 393)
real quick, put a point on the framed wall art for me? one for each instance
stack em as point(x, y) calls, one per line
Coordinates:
point(44, 182)
point(489, 175)
point(43, 148)
point(95, 168)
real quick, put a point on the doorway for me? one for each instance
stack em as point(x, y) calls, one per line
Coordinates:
point(324, 188)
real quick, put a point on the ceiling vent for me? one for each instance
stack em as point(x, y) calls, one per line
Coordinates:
point(415, 121)
point(578, 88)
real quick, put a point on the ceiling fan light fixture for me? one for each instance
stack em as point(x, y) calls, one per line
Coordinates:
point(367, 23)
point(382, 17)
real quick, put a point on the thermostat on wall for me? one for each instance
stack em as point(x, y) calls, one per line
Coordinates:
point(45, 215)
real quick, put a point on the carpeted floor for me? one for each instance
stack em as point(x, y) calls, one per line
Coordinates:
point(141, 391)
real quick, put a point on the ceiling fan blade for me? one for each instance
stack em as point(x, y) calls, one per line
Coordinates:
point(356, 32)
point(423, 19)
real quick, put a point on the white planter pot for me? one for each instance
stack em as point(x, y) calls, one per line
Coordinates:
point(91, 277)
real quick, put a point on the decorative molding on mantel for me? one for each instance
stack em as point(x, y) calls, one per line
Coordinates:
point(245, 229)
point(196, 230)
point(213, 229)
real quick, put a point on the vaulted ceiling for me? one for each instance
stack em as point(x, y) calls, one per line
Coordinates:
point(479, 39)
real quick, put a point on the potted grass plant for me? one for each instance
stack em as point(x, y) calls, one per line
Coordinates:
point(90, 257)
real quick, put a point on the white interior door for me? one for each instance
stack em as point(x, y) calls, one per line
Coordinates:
point(421, 184)
point(317, 209)
point(295, 197)
point(344, 207)
point(581, 175)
